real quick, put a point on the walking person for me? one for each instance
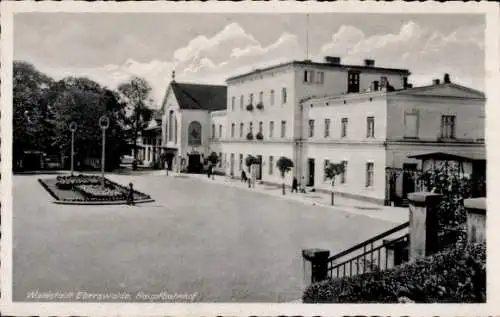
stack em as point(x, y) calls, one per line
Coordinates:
point(243, 176)
point(295, 185)
point(209, 171)
point(130, 195)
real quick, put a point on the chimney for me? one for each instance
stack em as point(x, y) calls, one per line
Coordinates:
point(446, 78)
point(369, 62)
point(332, 60)
point(436, 82)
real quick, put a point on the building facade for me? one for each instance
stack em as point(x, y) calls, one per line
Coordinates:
point(368, 118)
point(186, 123)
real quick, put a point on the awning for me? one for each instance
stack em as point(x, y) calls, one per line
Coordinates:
point(443, 156)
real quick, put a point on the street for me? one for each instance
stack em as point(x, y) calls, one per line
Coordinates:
point(225, 244)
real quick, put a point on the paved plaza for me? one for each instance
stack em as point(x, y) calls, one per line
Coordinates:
point(225, 243)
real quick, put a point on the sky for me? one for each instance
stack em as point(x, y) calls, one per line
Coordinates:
point(208, 48)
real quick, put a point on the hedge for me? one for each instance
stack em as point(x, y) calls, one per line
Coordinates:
point(453, 276)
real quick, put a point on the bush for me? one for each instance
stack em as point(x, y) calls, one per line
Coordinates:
point(157, 165)
point(259, 136)
point(260, 106)
point(249, 136)
point(250, 107)
point(454, 276)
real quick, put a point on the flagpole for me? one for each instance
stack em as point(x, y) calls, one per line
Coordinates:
point(307, 36)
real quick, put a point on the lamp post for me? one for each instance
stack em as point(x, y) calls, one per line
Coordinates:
point(72, 128)
point(104, 124)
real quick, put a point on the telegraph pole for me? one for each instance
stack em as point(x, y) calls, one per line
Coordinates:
point(104, 124)
point(72, 128)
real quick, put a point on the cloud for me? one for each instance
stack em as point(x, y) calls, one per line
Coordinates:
point(427, 53)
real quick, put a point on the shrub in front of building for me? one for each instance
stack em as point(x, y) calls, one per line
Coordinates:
point(260, 106)
point(452, 276)
point(259, 136)
point(249, 136)
point(250, 107)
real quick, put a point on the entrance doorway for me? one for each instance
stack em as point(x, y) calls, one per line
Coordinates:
point(194, 163)
point(259, 168)
point(409, 170)
point(310, 164)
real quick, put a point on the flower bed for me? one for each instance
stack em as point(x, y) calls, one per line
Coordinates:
point(97, 192)
point(88, 188)
point(453, 276)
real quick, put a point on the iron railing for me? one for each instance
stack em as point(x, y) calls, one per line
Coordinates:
point(383, 251)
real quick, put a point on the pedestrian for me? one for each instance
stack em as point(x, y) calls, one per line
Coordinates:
point(209, 171)
point(295, 185)
point(243, 176)
point(130, 195)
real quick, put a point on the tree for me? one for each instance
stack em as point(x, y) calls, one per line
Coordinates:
point(284, 164)
point(249, 161)
point(32, 116)
point(136, 95)
point(81, 100)
point(331, 171)
point(213, 158)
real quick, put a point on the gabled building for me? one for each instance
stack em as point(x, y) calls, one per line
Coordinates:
point(186, 123)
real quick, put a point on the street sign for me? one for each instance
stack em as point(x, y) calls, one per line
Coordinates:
point(72, 126)
point(104, 122)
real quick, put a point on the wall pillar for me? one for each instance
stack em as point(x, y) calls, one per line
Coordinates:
point(476, 219)
point(423, 224)
point(315, 265)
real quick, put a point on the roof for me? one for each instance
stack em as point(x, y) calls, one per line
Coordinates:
point(479, 94)
point(443, 156)
point(329, 65)
point(199, 96)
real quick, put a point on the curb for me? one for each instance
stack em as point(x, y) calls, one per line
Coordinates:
point(116, 202)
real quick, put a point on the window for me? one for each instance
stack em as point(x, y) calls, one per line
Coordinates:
point(369, 174)
point(271, 165)
point(411, 125)
point(250, 99)
point(271, 128)
point(241, 102)
point(327, 128)
point(320, 78)
point(327, 162)
point(250, 127)
point(311, 128)
point(232, 130)
point(343, 131)
point(283, 95)
point(194, 133)
point(370, 127)
point(343, 176)
point(271, 97)
point(260, 126)
point(241, 162)
point(352, 82)
point(261, 97)
point(220, 159)
point(448, 127)
point(309, 76)
point(170, 125)
point(220, 130)
point(383, 82)
point(233, 101)
point(241, 129)
point(283, 128)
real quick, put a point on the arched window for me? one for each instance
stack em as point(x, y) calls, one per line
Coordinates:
point(170, 125)
point(194, 133)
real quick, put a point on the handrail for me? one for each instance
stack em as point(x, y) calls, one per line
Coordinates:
point(371, 240)
point(402, 238)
